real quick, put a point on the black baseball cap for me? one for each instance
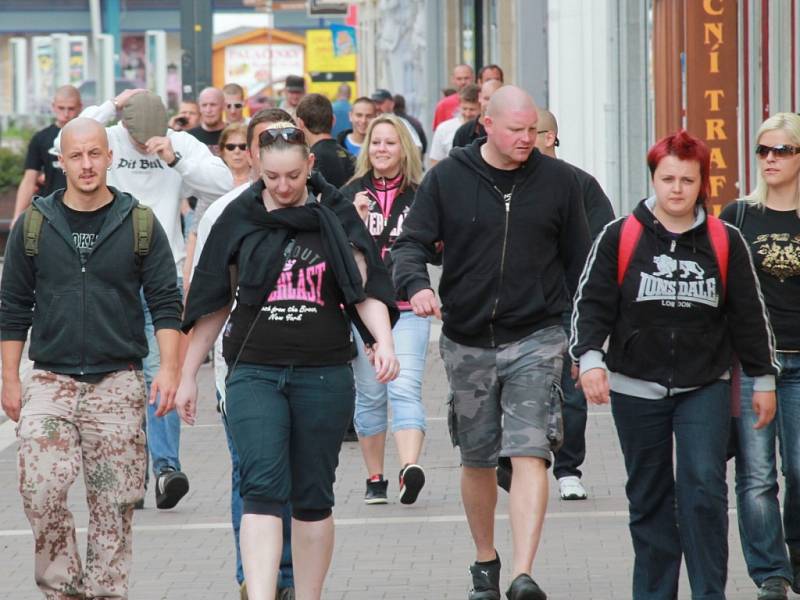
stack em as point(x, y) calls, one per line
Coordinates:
point(381, 95)
point(295, 83)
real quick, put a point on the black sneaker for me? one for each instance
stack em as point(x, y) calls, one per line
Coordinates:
point(794, 557)
point(773, 588)
point(525, 588)
point(504, 473)
point(485, 581)
point(171, 486)
point(376, 491)
point(412, 478)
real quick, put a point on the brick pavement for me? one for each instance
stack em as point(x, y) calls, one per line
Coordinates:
point(382, 552)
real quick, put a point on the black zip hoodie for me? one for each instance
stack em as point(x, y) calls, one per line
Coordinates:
point(671, 322)
point(506, 258)
point(86, 313)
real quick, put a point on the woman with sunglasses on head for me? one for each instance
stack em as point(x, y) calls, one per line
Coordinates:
point(769, 219)
point(674, 291)
point(291, 264)
point(233, 152)
point(382, 189)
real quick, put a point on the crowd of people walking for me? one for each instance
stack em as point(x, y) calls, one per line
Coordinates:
point(294, 246)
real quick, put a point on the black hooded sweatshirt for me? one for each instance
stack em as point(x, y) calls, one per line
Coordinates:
point(671, 322)
point(506, 257)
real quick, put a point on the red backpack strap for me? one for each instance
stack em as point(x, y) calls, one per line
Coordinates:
point(718, 234)
point(628, 240)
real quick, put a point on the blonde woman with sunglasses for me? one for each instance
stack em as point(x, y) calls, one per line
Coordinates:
point(769, 219)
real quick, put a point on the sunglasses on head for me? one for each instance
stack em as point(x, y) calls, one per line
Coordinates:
point(292, 135)
point(782, 151)
point(232, 147)
point(235, 105)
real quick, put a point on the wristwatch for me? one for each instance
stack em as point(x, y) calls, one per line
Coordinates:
point(174, 162)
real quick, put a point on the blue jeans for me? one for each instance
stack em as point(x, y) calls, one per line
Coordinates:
point(163, 433)
point(572, 453)
point(763, 541)
point(286, 573)
point(682, 514)
point(411, 334)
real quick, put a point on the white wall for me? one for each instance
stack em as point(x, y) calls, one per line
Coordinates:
point(580, 47)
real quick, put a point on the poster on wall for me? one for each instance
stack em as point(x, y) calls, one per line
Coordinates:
point(344, 40)
point(132, 59)
point(258, 66)
point(78, 57)
point(43, 53)
point(331, 59)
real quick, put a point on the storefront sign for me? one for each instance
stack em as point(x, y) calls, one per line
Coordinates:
point(712, 91)
point(258, 66)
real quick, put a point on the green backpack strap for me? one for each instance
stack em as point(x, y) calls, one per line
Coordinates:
point(142, 229)
point(33, 220)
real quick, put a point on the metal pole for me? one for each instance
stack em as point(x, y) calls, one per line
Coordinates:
point(196, 34)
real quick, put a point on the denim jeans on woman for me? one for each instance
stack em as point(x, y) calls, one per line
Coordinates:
point(763, 541)
point(411, 334)
point(685, 514)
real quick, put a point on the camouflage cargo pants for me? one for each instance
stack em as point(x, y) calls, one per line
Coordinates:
point(506, 401)
point(65, 424)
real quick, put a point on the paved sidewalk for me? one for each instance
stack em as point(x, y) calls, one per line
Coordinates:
point(382, 552)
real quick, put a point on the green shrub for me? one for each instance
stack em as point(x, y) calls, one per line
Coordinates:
point(11, 168)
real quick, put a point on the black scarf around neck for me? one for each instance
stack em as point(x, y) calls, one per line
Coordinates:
point(254, 240)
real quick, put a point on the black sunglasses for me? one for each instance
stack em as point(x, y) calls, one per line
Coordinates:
point(782, 151)
point(232, 147)
point(292, 135)
point(235, 105)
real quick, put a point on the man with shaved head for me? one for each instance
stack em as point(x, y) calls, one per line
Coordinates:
point(566, 468)
point(463, 75)
point(159, 167)
point(74, 266)
point(513, 231)
point(41, 167)
point(212, 103)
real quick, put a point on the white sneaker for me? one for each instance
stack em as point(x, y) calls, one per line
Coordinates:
point(571, 488)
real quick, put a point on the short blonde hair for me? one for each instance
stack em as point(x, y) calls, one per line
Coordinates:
point(410, 160)
point(790, 124)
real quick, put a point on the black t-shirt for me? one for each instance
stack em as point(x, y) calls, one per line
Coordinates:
point(335, 163)
point(209, 138)
point(468, 133)
point(504, 180)
point(85, 225)
point(774, 240)
point(302, 322)
point(40, 159)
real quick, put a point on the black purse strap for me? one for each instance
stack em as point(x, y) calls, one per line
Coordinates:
point(287, 253)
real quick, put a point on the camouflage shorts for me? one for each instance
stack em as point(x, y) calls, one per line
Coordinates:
point(506, 401)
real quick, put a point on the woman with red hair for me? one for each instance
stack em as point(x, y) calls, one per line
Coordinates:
point(674, 290)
